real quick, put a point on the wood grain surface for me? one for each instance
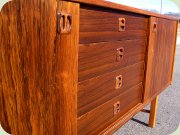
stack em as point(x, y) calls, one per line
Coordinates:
point(98, 90)
point(149, 57)
point(28, 31)
point(99, 58)
point(160, 60)
point(3, 113)
point(102, 24)
point(67, 75)
point(163, 55)
point(102, 116)
point(120, 7)
point(99, 19)
point(153, 112)
point(53, 83)
point(40, 95)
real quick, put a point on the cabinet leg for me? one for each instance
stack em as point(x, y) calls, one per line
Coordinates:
point(153, 109)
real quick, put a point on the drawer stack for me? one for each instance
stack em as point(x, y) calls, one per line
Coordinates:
point(112, 53)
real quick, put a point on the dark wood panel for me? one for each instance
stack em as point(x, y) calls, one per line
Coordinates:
point(39, 67)
point(100, 117)
point(149, 59)
point(102, 25)
point(98, 90)
point(94, 37)
point(107, 4)
point(99, 58)
point(163, 54)
point(96, 19)
point(66, 66)
point(3, 113)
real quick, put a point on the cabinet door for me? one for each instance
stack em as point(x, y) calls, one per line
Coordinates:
point(160, 59)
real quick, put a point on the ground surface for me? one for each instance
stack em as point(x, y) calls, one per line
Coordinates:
point(168, 113)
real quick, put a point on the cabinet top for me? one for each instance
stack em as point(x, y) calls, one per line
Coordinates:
point(116, 6)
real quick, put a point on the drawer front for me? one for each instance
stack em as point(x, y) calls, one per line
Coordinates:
point(99, 58)
point(102, 25)
point(98, 90)
point(100, 117)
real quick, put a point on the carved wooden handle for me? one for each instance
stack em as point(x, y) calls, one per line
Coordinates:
point(116, 107)
point(154, 26)
point(122, 24)
point(64, 23)
point(118, 82)
point(120, 54)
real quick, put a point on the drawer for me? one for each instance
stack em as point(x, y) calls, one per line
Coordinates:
point(102, 25)
point(96, 91)
point(100, 117)
point(99, 58)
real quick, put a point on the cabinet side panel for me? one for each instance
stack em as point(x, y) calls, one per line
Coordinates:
point(28, 31)
point(38, 68)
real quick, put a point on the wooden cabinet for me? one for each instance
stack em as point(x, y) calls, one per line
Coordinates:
point(80, 67)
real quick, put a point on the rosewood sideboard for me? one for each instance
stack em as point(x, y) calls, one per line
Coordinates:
point(81, 66)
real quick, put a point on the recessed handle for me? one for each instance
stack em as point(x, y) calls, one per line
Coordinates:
point(118, 82)
point(122, 24)
point(120, 54)
point(64, 23)
point(154, 26)
point(117, 107)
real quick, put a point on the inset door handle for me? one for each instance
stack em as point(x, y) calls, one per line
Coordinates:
point(154, 27)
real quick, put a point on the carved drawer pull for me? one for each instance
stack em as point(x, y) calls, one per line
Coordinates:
point(118, 82)
point(116, 107)
point(64, 23)
point(120, 54)
point(122, 24)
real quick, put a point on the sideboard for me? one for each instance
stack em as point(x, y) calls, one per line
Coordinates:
point(81, 66)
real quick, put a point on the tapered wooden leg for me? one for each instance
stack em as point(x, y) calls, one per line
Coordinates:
point(153, 109)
